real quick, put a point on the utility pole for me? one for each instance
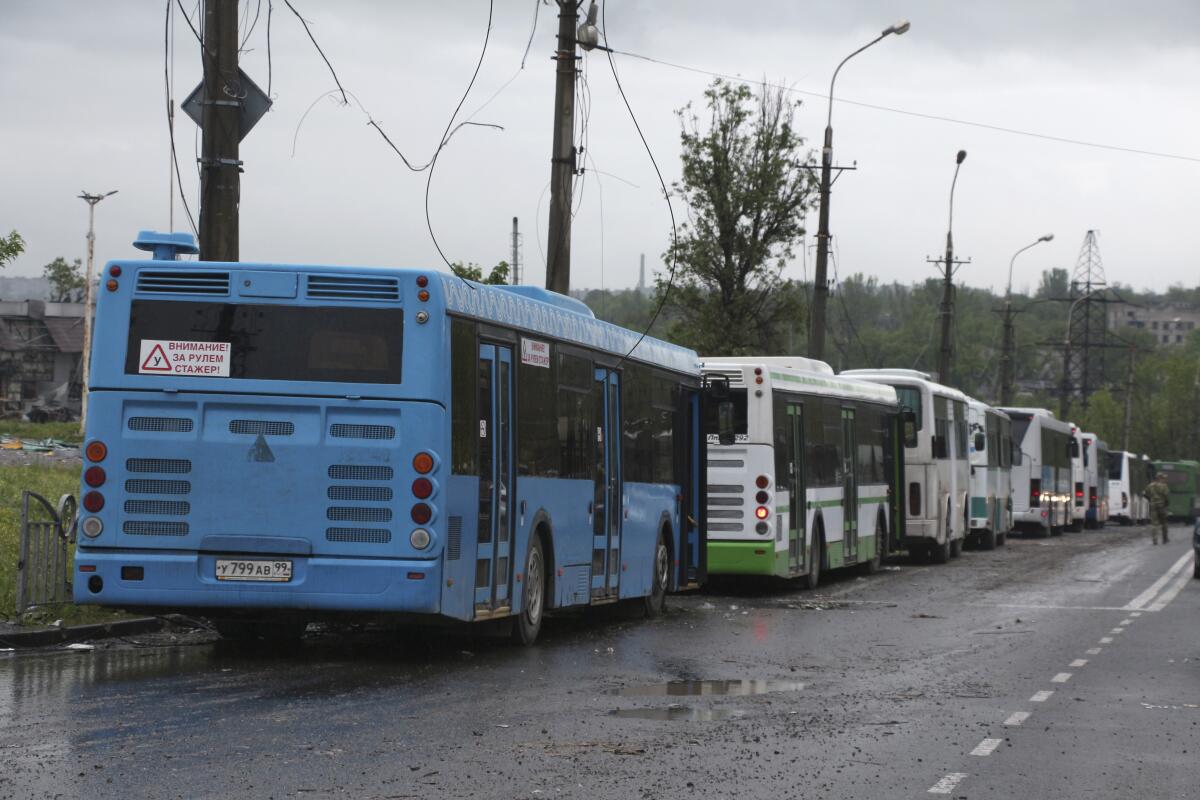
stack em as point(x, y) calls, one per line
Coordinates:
point(1006, 353)
point(946, 309)
point(1128, 402)
point(515, 271)
point(220, 169)
point(88, 301)
point(562, 158)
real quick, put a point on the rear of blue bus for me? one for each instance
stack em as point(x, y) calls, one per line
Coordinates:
point(264, 438)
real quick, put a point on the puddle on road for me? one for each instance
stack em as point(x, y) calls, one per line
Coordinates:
point(743, 688)
point(678, 713)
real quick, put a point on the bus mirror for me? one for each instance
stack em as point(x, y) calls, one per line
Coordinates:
point(725, 434)
point(909, 421)
point(979, 442)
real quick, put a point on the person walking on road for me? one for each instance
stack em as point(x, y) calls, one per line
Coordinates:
point(1159, 495)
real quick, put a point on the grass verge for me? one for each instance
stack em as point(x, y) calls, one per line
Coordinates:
point(63, 431)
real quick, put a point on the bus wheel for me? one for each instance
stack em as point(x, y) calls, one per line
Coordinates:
point(656, 601)
point(871, 566)
point(956, 547)
point(940, 553)
point(528, 623)
point(988, 539)
point(813, 579)
point(1001, 538)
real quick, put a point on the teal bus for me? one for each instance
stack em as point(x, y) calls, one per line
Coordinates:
point(1183, 478)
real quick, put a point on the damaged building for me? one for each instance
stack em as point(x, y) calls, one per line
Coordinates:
point(41, 349)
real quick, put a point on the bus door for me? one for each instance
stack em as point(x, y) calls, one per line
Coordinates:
point(606, 505)
point(797, 490)
point(849, 488)
point(493, 564)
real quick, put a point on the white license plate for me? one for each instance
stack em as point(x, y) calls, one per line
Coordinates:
point(247, 569)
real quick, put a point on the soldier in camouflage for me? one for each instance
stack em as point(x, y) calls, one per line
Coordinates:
point(1160, 495)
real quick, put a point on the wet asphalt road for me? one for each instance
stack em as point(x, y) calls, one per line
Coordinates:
point(884, 687)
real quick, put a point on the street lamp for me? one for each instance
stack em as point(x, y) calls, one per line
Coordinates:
point(816, 333)
point(946, 351)
point(91, 200)
point(1006, 352)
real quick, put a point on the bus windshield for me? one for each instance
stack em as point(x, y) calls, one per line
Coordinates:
point(278, 342)
point(1115, 461)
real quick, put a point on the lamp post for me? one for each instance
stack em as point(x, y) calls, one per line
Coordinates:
point(1006, 351)
point(816, 332)
point(91, 200)
point(946, 351)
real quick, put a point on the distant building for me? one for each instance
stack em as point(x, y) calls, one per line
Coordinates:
point(41, 348)
point(1169, 323)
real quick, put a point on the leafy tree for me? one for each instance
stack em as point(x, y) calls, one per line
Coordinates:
point(66, 280)
point(746, 190)
point(11, 246)
point(473, 272)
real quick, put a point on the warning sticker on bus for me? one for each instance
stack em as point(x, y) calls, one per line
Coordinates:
point(196, 359)
point(535, 353)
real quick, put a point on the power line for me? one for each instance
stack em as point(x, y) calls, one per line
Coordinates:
point(918, 114)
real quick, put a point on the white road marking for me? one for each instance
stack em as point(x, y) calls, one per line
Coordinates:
point(1126, 621)
point(1093, 651)
point(1061, 677)
point(1135, 613)
point(1037, 606)
point(1142, 600)
point(1079, 662)
point(1115, 631)
point(1105, 640)
point(947, 784)
point(1041, 696)
point(1017, 718)
point(986, 747)
point(1169, 595)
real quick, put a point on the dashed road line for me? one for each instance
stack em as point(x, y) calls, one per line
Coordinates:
point(1061, 677)
point(1093, 651)
point(1079, 662)
point(1106, 640)
point(1142, 600)
point(1125, 622)
point(1016, 718)
point(1115, 631)
point(1042, 696)
point(947, 784)
point(986, 747)
point(1135, 613)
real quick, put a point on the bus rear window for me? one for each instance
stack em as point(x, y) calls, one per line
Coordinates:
point(740, 427)
point(279, 343)
point(1116, 463)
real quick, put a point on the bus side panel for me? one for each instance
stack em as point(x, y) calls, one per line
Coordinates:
point(562, 506)
point(645, 506)
point(898, 487)
point(462, 538)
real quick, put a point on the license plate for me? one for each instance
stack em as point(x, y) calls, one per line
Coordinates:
point(247, 569)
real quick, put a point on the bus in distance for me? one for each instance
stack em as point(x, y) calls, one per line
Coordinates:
point(1095, 453)
point(1126, 485)
point(1079, 465)
point(990, 446)
point(936, 462)
point(1041, 473)
point(1183, 479)
point(271, 444)
point(804, 483)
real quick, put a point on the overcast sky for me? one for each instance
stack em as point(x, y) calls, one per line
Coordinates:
point(82, 93)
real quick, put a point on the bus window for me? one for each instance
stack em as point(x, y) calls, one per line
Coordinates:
point(736, 409)
point(943, 427)
point(910, 398)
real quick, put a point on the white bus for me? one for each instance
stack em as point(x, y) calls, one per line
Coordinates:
point(1078, 480)
point(1095, 467)
point(1126, 482)
point(1041, 472)
point(990, 446)
point(935, 461)
point(799, 469)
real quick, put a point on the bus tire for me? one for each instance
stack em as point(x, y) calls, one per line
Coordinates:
point(1001, 539)
point(988, 539)
point(871, 565)
point(813, 579)
point(940, 553)
point(528, 623)
point(956, 547)
point(656, 601)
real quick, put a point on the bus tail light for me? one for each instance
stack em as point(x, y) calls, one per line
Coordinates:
point(421, 513)
point(1079, 494)
point(93, 501)
point(914, 499)
point(422, 488)
point(94, 476)
point(96, 451)
point(1035, 492)
point(762, 481)
point(420, 538)
point(762, 512)
point(92, 527)
point(423, 463)
point(1124, 500)
point(761, 498)
point(1092, 498)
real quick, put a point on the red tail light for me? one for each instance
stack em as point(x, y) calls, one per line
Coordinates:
point(1035, 493)
point(762, 512)
point(93, 501)
point(762, 481)
point(96, 451)
point(422, 487)
point(914, 499)
point(423, 463)
point(421, 513)
point(762, 498)
point(94, 476)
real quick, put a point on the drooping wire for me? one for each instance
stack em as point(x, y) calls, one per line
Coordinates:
point(313, 39)
point(170, 122)
point(520, 69)
point(666, 193)
point(270, 9)
point(253, 25)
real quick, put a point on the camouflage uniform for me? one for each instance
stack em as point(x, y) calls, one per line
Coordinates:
point(1159, 495)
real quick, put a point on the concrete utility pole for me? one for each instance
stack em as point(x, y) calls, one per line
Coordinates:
point(1008, 344)
point(88, 300)
point(1128, 402)
point(514, 273)
point(946, 310)
point(816, 328)
point(220, 173)
point(562, 158)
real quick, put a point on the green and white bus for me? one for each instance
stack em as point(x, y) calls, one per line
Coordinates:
point(990, 449)
point(800, 468)
point(1183, 479)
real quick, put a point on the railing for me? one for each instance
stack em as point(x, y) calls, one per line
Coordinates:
point(47, 535)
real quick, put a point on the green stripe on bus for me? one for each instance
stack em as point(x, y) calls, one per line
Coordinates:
point(863, 500)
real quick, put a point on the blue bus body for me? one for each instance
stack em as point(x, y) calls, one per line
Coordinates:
point(376, 440)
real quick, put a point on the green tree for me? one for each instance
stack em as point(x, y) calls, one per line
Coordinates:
point(473, 272)
point(66, 280)
point(746, 189)
point(11, 246)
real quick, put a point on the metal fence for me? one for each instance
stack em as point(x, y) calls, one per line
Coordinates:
point(43, 568)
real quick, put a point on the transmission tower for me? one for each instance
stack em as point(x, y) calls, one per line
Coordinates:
point(1086, 337)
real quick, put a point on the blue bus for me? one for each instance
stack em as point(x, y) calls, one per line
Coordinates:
point(268, 445)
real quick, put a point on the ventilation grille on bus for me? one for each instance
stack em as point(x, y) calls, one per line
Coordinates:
point(137, 527)
point(157, 486)
point(734, 375)
point(342, 493)
point(263, 427)
point(454, 539)
point(341, 430)
point(363, 535)
point(358, 494)
point(726, 501)
point(177, 466)
point(182, 282)
point(355, 472)
point(161, 424)
point(357, 514)
point(352, 288)
point(161, 508)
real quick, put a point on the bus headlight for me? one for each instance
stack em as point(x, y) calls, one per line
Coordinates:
point(420, 538)
point(92, 527)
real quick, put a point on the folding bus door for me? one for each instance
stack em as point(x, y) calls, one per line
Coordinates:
point(797, 489)
point(493, 564)
point(849, 488)
point(606, 505)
